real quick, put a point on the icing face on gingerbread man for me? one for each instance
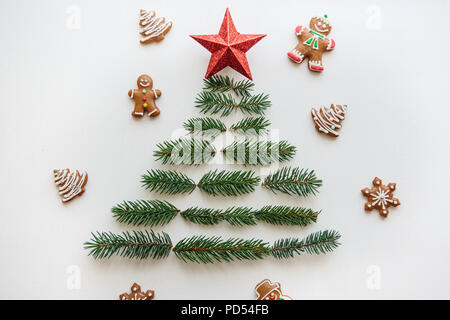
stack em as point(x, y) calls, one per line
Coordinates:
point(144, 97)
point(312, 42)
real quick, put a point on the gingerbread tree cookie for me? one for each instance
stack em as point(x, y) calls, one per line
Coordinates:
point(266, 290)
point(144, 97)
point(380, 197)
point(70, 184)
point(312, 42)
point(137, 294)
point(328, 120)
point(153, 28)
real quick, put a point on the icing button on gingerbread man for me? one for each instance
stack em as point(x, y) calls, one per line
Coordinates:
point(144, 97)
point(312, 42)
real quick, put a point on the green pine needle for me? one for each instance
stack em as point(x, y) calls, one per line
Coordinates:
point(202, 249)
point(225, 104)
point(238, 216)
point(228, 183)
point(185, 151)
point(135, 244)
point(250, 152)
point(315, 243)
point(220, 83)
point(206, 126)
point(293, 181)
point(167, 182)
point(145, 212)
point(251, 126)
point(284, 215)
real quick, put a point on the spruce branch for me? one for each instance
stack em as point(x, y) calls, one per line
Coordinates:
point(167, 181)
point(315, 243)
point(218, 83)
point(145, 212)
point(259, 153)
point(293, 181)
point(225, 104)
point(185, 151)
point(205, 126)
point(228, 183)
point(251, 125)
point(135, 244)
point(211, 249)
point(235, 216)
point(284, 215)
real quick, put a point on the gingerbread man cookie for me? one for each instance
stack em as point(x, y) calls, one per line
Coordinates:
point(380, 197)
point(266, 290)
point(137, 294)
point(312, 42)
point(144, 97)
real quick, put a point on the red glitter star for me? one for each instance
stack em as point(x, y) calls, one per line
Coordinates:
point(228, 48)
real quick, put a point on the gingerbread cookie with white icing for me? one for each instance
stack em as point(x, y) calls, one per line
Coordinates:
point(328, 120)
point(144, 97)
point(380, 197)
point(266, 290)
point(312, 42)
point(153, 28)
point(70, 183)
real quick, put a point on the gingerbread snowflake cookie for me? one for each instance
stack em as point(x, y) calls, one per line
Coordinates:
point(328, 120)
point(380, 197)
point(266, 290)
point(144, 97)
point(312, 42)
point(153, 28)
point(70, 183)
point(137, 294)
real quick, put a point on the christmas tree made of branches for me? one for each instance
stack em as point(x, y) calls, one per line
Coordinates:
point(220, 97)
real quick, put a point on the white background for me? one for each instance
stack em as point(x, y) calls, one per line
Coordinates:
point(64, 104)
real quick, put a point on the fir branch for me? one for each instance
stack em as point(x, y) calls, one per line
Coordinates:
point(235, 216)
point(211, 249)
point(259, 153)
point(228, 183)
point(185, 151)
point(284, 215)
point(225, 104)
point(137, 244)
point(315, 243)
point(293, 181)
point(218, 83)
point(168, 182)
point(205, 126)
point(251, 125)
point(145, 212)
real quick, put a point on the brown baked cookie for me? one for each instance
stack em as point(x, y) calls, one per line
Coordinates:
point(312, 42)
point(137, 294)
point(153, 28)
point(266, 290)
point(328, 120)
point(70, 183)
point(380, 197)
point(144, 97)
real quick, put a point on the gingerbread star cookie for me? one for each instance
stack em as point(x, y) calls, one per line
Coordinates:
point(380, 197)
point(137, 294)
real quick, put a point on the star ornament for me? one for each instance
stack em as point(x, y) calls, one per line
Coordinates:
point(380, 197)
point(228, 48)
